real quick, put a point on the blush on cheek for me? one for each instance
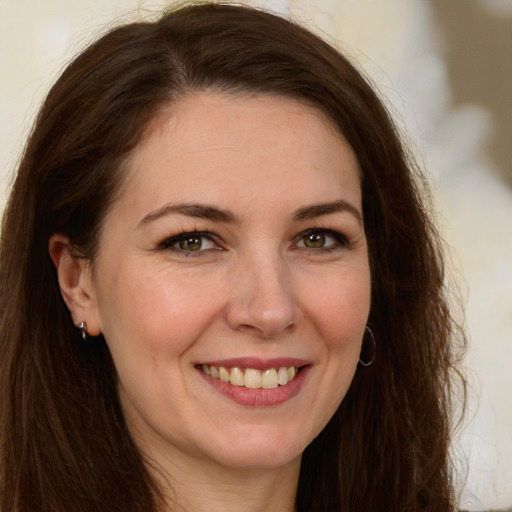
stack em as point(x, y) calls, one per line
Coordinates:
point(345, 312)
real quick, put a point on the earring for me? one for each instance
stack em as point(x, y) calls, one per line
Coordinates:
point(374, 345)
point(82, 327)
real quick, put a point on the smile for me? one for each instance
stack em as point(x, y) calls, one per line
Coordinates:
point(252, 377)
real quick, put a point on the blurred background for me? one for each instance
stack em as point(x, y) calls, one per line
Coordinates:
point(445, 67)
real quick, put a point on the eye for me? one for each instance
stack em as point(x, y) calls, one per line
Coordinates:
point(189, 242)
point(321, 239)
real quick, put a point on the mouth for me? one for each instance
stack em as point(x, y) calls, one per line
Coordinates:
point(256, 382)
point(253, 378)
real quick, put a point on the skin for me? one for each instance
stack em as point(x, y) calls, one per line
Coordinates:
point(256, 288)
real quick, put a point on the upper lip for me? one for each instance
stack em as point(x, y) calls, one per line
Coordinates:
point(257, 363)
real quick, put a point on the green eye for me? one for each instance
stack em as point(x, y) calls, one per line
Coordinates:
point(195, 241)
point(321, 240)
point(315, 240)
point(191, 243)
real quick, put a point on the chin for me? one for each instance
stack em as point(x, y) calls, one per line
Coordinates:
point(260, 461)
point(261, 451)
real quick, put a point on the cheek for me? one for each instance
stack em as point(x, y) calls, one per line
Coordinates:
point(339, 307)
point(157, 313)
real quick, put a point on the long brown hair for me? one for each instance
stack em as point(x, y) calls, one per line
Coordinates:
point(64, 444)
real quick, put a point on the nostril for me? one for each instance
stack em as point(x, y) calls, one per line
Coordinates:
point(265, 332)
point(262, 307)
point(250, 329)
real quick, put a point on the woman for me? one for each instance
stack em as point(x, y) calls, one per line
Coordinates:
point(214, 230)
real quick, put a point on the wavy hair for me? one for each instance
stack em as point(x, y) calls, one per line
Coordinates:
point(64, 444)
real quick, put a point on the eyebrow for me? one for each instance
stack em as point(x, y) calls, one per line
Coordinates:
point(317, 210)
point(201, 211)
point(215, 214)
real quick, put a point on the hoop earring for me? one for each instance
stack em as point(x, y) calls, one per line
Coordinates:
point(82, 327)
point(368, 363)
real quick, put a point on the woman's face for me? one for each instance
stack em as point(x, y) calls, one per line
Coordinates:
point(232, 282)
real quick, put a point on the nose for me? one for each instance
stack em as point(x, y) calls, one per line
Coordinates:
point(262, 300)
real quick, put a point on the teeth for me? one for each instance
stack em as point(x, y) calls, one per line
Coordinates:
point(252, 378)
point(237, 377)
point(282, 376)
point(224, 374)
point(269, 379)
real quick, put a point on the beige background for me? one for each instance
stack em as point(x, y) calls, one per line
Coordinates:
point(446, 67)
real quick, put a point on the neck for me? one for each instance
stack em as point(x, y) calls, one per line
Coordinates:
point(206, 487)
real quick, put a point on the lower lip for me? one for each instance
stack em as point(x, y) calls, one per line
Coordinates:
point(259, 397)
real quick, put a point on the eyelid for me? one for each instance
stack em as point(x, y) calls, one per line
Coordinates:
point(340, 238)
point(168, 242)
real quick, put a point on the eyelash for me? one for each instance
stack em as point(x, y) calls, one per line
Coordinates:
point(169, 243)
point(340, 238)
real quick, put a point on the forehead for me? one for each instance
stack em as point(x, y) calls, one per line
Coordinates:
point(212, 111)
point(207, 141)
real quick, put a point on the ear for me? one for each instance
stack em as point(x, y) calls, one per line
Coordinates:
point(75, 282)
